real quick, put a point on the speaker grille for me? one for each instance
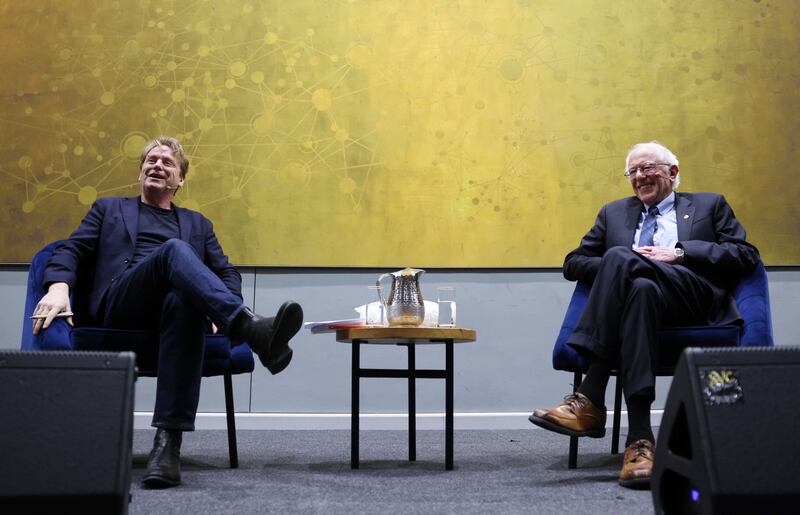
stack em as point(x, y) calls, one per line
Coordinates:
point(69, 430)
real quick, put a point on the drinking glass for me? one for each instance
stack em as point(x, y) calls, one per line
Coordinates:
point(374, 312)
point(447, 306)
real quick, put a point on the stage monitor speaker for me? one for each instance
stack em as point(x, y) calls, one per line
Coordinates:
point(66, 431)
point(729, 440)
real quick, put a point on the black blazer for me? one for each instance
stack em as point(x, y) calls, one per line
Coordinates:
point(712, 238)
point(102, 247)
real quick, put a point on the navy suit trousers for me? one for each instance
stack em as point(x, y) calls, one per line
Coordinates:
point(172, 292)
point(630, 299)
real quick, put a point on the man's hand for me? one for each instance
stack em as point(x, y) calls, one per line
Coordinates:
point(662, 254)
point(55, 301)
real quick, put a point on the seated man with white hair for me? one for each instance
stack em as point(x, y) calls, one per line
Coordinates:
point(655, 259)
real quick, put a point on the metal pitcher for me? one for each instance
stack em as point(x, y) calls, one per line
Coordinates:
point(404, 305)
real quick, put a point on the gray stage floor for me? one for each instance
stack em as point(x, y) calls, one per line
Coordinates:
point(309, 472)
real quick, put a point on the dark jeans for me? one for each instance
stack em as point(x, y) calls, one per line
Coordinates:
point(172, 292)
point(631, 298)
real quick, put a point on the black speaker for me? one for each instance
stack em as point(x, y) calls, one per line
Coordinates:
point(729, 440)
point(66, 431)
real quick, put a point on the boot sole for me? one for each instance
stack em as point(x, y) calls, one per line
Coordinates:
point(278, 365)
point(157, 482)
point(284, 331)
point(552, 426)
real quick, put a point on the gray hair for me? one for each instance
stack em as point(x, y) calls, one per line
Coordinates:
point(173, 145)
point(664, 154)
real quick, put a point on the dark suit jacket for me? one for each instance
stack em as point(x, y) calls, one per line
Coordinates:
point(102, 247)
point(712, 238)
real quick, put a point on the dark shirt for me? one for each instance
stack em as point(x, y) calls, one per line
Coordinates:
point(156, 225)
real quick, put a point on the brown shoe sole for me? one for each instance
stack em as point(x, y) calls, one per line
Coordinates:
point(552, 426)
point(639, 483)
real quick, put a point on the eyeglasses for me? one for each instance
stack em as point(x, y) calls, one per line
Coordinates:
point(645, 169)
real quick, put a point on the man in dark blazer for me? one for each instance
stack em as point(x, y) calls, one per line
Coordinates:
point(658, 258)
point(144, 263)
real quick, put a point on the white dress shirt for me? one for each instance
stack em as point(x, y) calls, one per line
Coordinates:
point(666, 234)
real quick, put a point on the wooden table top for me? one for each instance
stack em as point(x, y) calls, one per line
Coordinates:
point(395, 335)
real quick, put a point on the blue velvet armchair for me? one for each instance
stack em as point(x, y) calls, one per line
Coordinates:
point(752, 298)
point(220, 357)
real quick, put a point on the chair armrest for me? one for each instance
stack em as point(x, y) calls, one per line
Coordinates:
point(752, 298)
point(564, 356)
point(56, 337)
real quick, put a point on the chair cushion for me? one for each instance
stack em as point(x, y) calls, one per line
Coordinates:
point(671, 342)
point(219, 357)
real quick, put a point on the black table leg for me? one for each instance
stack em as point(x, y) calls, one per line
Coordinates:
point(572, 459)
point(448, 401)
point(412, 404)
point(354, 401)
point(617, 414)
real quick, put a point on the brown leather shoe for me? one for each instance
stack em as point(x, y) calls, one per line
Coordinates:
point(637, 466)
point(576, 416)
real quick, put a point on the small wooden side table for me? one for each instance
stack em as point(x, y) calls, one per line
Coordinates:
point(408, 337)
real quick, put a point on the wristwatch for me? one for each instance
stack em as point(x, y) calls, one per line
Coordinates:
point(679, 253)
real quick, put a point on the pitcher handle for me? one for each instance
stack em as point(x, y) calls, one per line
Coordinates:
point(380, 288)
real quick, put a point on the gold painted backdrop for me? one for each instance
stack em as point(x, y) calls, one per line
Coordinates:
point(423, 132)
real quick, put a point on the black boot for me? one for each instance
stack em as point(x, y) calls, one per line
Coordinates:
point(164, 463)
point(269, 336)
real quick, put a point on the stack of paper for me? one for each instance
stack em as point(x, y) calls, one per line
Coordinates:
point(333, 325)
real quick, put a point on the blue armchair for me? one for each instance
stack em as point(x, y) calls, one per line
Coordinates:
point(752, 298)
point(220, 357)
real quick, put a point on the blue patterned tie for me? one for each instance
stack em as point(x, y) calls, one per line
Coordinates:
point(648, 228)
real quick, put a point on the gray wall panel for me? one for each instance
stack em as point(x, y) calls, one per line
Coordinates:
point(517, 315)
point(13, 286)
